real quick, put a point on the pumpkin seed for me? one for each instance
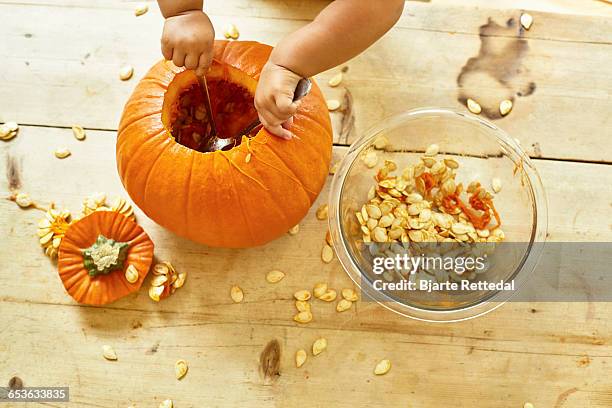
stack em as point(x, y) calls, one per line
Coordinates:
point(302, 306)
point(294, 230)
point(526, 20)
point(343, 305)
point(382, 367)
point(155, 292)
point(496, 184)
point(141, 9)
point(322, 212)
point(300, 357)
point(275, 276)
point(370, 159)
point(231, 31)
point(78, 132)
point(334, 168)
point(180, 280)
point(109, 353)
point(161, 269)
point(180, 369)
point(381, 142)
point(451, 163)
point(236, 294)
point(333, 104)
point(166, 404)
point(474, 106)
point(131, 274)
point(432, 150)
point(319, 346)
point(320, 289)
point(328, 239)
point(8, 130)
point(126, 72)
point(428, 161)
point(247, 158)
point(335, 80)
point(62, 153)
point(505, 107)
point(302, 295)
point(303, 317)
point(349, 294)
point(327, 254)
point(23, 200)
point(159, 280)
point(328, 296)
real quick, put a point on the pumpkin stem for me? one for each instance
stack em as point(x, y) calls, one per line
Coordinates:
point(104, 256)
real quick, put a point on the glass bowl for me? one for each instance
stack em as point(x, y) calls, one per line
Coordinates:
point(483, 152)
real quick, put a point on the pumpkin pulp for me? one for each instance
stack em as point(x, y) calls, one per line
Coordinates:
point(232, 108)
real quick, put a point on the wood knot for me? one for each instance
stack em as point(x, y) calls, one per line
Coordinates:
point(269, 362)
point(15, 383)
point(13, 173)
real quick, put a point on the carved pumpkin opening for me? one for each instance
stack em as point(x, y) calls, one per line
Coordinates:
point(231, 98)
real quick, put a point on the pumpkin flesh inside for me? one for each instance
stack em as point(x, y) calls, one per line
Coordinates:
point(232, 108)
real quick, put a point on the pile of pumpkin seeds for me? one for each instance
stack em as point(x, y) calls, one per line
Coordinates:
point(165, 281)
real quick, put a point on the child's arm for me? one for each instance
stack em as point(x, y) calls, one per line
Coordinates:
point(341, 31)
point(188, 34)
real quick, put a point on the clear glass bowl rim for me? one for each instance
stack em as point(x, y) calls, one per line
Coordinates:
point(535, 190)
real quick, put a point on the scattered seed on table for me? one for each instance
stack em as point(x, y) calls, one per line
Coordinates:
point(300, 357)
point(126, 72)
point(505, 107)
point(319, 346)
point(473, 106)
point(141, 9)
point(294, 230)
point(343, 305)
point(109, 353)
point(180, 369)
point(327, 254)
point(231, 32)
point(382, 367)
point(236, 294)
point(62, 153)
point(320, 289)
point(526, 20)
point(275, 276)
point(335, 80)
point(333, 104)
point(302, 295)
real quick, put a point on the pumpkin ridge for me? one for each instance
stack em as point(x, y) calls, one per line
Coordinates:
point(188, 196)
point(124, 124)
point(123, 165)
point(242, 211)
point(147, 179)
point(234, 165)
point(291, 176)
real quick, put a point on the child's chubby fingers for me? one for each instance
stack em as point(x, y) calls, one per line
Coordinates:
point(203, 63)
point(178, 57)
point(192, 60)
point(166, 49)
point(274, 125)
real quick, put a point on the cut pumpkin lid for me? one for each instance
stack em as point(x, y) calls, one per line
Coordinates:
point(95, 253)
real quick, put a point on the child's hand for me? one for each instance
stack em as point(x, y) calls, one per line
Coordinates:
point(188, 40)
point(274, 99)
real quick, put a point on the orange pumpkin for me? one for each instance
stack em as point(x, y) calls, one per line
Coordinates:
point(241, 197)
point(95, 254)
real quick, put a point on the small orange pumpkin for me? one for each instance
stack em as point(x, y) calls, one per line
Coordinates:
point(95, 253)
point(242, 197)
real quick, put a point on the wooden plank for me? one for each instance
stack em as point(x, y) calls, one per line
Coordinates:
point(79, 83)
point(554, 336)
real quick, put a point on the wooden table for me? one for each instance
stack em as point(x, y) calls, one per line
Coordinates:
point(60, 63)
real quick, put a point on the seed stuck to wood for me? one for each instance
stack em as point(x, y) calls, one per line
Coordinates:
point(300, 357)
point(141, 9)
point(333, 104)
point(350, 294)
point(302, 295)
point(496, 185)
point(275, 276)
point(322, 212)
point(78, 132)
point(131, 274)
point(320, 289)
point(328, 239)
point(319, 346)
point(327, 254)
point(294, 230)
point(343, 305)
point(62, 153)
point(8, 130)
point(302, 306)
point(329, 296)
point(247, 158)
point(126, 72)
point(166, 404)
point(23, 200)
point(303, 317)
point(180, 369)
point(335, 80)
point(382, 367)
point(236, 294)
point(473, 106)
point(231, 32)
point(526, 20)
point(505, 107)
point(109, 353)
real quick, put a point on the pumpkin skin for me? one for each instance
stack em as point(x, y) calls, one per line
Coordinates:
point(102, 289)
point(221, 198)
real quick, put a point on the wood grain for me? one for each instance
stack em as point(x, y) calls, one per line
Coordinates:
point(497, 360)
point(78, 82)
